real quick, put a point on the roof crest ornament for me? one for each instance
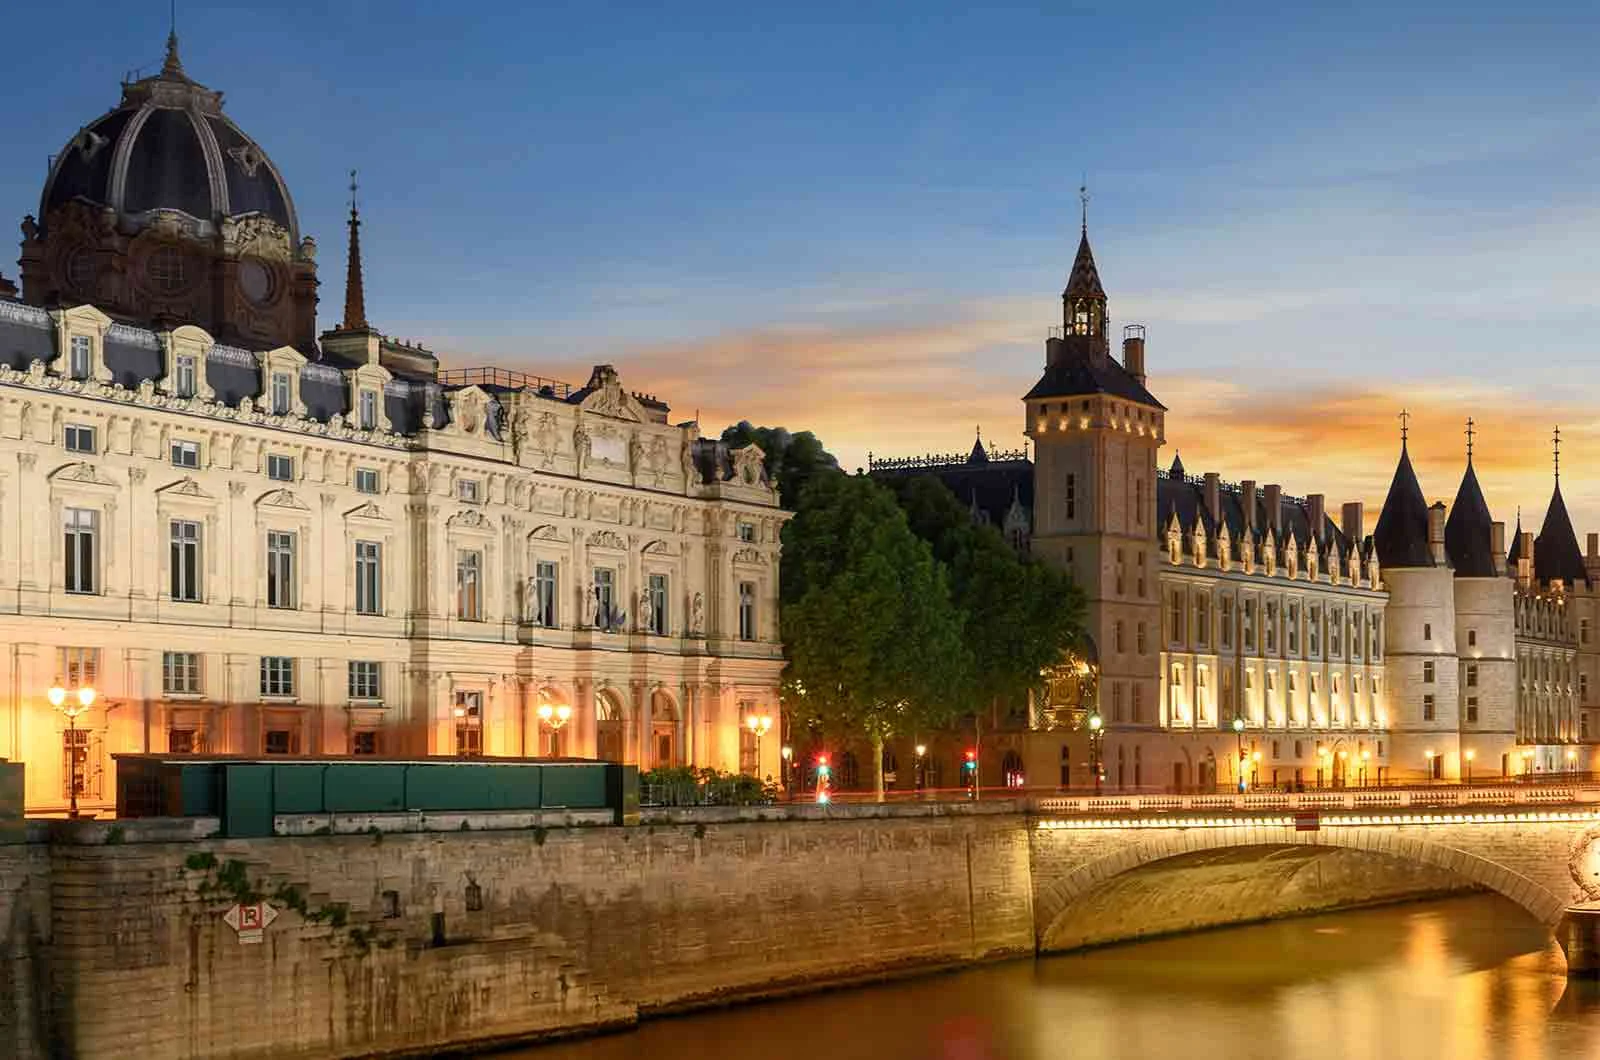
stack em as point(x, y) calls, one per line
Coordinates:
point(1557, 438)
point(355, 298)
point(1405, 418)
point(1469, 441)
point(1083, 197)
point(172, 65)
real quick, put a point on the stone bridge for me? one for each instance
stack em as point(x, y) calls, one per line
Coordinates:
point(1115, 868)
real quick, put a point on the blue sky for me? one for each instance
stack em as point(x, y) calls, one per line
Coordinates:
point(858, 217)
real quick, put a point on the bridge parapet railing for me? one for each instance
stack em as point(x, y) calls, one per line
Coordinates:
point(1353, 799)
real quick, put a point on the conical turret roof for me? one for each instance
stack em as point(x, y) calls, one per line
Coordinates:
point(1469, 530)
point(1516, 544)
point(1555, 551)
point(1085, 278)
point(1402, 532)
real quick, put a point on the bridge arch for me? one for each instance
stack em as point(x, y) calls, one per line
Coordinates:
point(1103, 862)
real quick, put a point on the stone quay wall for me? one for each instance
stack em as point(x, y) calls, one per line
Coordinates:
point(403, 934)
point(116, 944)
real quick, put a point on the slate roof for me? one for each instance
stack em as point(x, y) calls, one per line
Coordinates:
point(1085, 276)
point(1555, 551)
point(1516, 545)
point(1080, 373)
point(1469, 531)
point(1401, 535)
point(1184, 498)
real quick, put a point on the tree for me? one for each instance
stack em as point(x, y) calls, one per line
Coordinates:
point(874, 641)
point(1020, 614)
point(791, 459)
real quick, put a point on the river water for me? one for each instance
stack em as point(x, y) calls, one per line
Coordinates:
point(1465, 978)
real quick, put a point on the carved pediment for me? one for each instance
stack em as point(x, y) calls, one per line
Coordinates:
point(749, 464)
point(469, 518)
point(282, 498)
point(82, 473)
point(607, 398)
point(747, 555)
point(607, 539)
point(367, 511)
point(547, 532)
point(660, 548)
point(184, 487)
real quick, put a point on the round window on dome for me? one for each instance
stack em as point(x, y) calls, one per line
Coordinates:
point(166, 270)
point(256, 282)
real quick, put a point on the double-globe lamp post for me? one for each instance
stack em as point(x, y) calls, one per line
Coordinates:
point(1238, 739)
point(760, 725)
point(556, 718)
point(72, 706)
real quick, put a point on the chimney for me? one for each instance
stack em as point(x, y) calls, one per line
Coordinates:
point(1214, 501)
point(1352, 518)
point(1497, 545)
point(1247, 501)
point(1436, 532)
point(1274, 498)
point(1055, 348)
point(1133, 351)
point(1591, 562)
point(1316, 515)
point(1525, 560)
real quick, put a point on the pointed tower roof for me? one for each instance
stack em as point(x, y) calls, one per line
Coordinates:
point(1401, 536)
point(355, 295)
point(1468, 531)
point(1175, 472)
point(979, 455)
point(1470, 528)
point(1085, 278)
point(1555, 551)
point(1516, 544)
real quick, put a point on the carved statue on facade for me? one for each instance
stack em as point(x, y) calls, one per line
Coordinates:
point(580, 446)
point(697, 615)
point(647, 611)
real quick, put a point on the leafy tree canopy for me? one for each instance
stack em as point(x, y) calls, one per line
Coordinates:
point(793, 459)
point(1020, 614)
point(874, 640)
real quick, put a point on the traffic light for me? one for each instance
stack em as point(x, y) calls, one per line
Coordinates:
point(972, 760)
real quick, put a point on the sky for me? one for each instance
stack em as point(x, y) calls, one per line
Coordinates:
point(858, 218)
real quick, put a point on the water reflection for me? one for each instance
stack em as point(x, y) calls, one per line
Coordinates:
point(1466, 978)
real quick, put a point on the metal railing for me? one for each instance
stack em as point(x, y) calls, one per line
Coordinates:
point(505, 377)
point(1339, 799)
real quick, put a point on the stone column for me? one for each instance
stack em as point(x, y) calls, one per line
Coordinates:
point(647, 736)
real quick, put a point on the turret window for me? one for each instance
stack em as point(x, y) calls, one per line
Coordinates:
point(1072, 496)
point(1427, 631)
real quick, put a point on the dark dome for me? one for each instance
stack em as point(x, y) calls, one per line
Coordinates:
point(168, 146)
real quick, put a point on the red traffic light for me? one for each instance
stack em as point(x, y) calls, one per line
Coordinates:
point(822, 760)
point(972, 756)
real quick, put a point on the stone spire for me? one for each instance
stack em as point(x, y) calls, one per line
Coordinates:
point(355, 298)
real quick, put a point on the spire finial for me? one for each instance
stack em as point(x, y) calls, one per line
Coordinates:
point(1469, 441)
point(172, 65)
point(1083, 198)
point(355, 298)
point(1405, 420)
point(1556, 437)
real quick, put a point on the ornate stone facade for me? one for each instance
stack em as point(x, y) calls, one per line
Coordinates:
point(251, 543)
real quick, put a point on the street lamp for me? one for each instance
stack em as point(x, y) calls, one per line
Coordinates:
point(1365, 756)
point(1324, 766)
point(921, 778)
point(72, 707)
point(1469, 754)
point(1255, 768)
point(760, 725)
point(1344, 756)
point(556, 717)
point(1238, 739)
point(1095, 727)
point(1572, 760)
point(1430, 756)
point(787, 754)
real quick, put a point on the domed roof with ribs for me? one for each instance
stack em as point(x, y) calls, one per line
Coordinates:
point(168, 146)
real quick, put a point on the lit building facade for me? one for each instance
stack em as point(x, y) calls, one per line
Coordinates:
point(252, 543)
point(1239, 633)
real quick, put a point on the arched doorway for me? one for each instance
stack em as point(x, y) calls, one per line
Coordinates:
point(609, 721)
point(663, 751)
point(1011, 770)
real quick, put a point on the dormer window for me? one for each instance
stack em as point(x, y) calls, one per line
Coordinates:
point(467, 489)
point(280, 393)
point(79, 357)
point(368, 410)
point(184, 376)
